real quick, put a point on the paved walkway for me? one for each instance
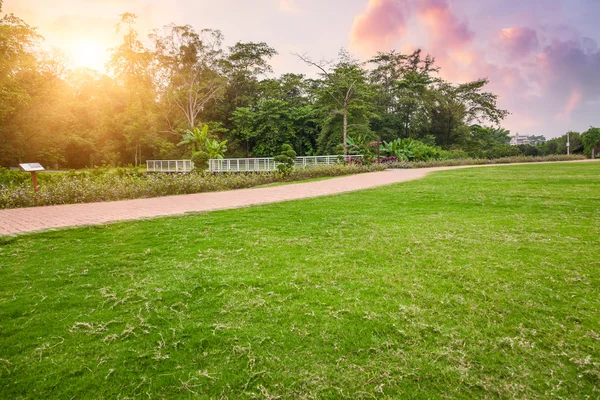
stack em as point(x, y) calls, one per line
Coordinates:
point(23, 220)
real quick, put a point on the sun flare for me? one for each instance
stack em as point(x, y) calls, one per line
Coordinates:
point(89, 54)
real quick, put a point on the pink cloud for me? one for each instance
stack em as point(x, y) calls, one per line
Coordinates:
point(384, 21)
point(446, 29)
point(376, 29)
point(541, 74)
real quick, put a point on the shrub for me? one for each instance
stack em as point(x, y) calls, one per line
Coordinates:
point(484, 161)
point(286, 159)
point(200, 160)
point(85, 187)
point(413, 150)
point(10, 178)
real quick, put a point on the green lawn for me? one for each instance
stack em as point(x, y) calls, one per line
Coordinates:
point(467, 284)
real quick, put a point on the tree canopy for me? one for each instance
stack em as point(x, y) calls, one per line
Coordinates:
point(159, 88)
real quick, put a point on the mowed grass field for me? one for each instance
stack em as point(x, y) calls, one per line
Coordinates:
point(473, 283)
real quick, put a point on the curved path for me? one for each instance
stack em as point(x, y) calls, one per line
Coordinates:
point(23, 220)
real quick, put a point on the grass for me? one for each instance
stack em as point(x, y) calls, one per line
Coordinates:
point(473, 283)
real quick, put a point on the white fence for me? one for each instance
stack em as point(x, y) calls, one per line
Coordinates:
point(269, 164)
point(241, 164)
point(169, 166)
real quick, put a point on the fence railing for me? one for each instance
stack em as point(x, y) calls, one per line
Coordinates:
point(242, 164)
point(269, 164)
point(169, 166)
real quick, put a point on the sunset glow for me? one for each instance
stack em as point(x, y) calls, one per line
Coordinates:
point(546, 51)
point(88, 53)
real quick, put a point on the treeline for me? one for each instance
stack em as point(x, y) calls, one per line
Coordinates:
point(579, 143)
point(158, 90)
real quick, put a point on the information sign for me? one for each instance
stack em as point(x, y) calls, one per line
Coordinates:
point(31, 167)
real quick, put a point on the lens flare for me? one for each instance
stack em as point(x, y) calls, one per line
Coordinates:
point(89, 54)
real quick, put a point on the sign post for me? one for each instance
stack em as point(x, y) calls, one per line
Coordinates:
point(32, 168)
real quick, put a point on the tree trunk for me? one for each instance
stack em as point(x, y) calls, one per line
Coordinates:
point(345, 130)
point(449, 132)
point(138, 152)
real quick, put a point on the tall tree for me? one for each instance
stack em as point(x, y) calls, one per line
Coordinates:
point(458, 106)
point(342, 86)
point(402, 85)
point(131, 62)
point(243, 65)
point(18, 77)
point(591, 142)
point(187, 72)
point(391, 68)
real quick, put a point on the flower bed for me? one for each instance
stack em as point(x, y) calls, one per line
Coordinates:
point(108, 185)
point(95, 186)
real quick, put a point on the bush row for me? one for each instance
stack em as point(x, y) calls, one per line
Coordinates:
point(88, 187)
point(391, 163)
point(120, 184)
point(16, 177)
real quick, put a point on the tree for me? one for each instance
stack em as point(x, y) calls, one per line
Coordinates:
point(244, 127)
point(266, 128)
point(187, 72)
point(343, 86)
point(457, 106)
point(291, 88)
point(307, 127)
point(18, 77)
point(413, 99)
point(591, 141)
point(242, 66)
point(157, 96)
point(402, 93)
point(286, 159)
point(131, 64)
point(488, 142)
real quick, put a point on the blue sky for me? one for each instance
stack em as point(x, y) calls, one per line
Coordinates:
point(541, 56)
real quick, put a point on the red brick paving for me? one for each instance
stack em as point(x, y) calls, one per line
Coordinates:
point(23, 220)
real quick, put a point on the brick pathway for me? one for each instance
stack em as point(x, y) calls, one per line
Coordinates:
point(23, 220)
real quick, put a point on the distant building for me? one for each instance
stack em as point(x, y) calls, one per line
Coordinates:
point(532, 140)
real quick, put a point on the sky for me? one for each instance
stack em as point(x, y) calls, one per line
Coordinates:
point(542, 57)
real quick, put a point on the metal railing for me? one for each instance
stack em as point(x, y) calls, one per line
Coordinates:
point(169, 166)
point(242, 164)
point(269, 164)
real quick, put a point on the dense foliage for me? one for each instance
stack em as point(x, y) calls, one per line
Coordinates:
point(176, 83)
point(103, 184)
